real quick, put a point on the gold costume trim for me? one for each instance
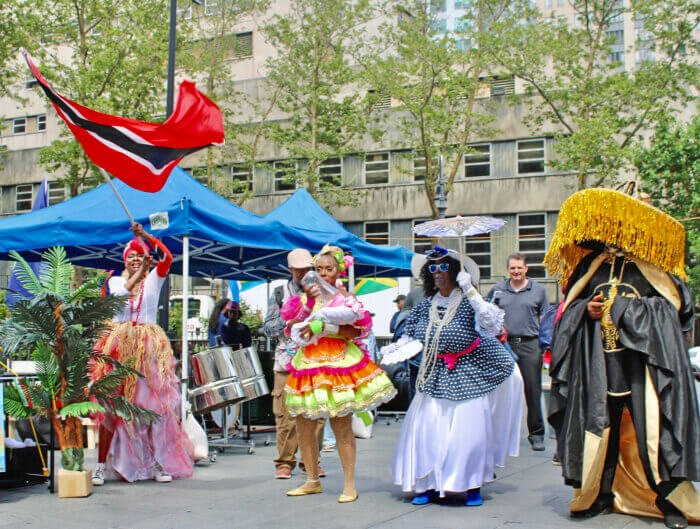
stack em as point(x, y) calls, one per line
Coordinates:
point(616, 219)
point(633, 495)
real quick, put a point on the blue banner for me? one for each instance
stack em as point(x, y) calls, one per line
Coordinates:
point(15, 290)
point(2, 429)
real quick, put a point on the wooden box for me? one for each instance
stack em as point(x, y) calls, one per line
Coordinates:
point(73, 484)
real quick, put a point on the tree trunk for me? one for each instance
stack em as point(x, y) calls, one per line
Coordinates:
point(69, 432)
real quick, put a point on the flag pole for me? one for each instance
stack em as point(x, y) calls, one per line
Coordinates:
point(121, 201)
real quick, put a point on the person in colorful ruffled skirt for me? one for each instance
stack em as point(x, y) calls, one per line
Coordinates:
point(130, 451)
point(331, 374)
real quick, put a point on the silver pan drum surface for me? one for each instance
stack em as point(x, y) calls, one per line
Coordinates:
point(251, 373)
point(217, 383)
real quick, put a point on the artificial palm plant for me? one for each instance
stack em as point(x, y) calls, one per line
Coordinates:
point(58, 328)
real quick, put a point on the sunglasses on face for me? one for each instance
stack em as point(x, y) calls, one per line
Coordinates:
point(443, 267)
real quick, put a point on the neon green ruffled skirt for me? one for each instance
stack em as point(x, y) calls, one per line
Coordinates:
point(334, 378)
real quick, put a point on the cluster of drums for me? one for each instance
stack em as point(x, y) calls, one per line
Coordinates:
point(224, 376)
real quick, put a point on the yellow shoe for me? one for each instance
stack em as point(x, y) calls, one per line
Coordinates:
point(344, 498)
point(301, 491)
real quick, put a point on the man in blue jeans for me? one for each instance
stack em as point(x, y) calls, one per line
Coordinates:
point(525, 302)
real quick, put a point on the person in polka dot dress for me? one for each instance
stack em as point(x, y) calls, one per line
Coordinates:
point(465, 417)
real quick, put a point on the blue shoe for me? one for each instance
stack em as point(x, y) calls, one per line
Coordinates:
point(474, 498)
point(425, 497)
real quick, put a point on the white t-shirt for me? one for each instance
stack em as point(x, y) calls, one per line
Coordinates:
point(149, 303)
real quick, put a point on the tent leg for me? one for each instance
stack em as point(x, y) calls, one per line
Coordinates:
point(267, 338)
point(351, 279)
point(185, 317)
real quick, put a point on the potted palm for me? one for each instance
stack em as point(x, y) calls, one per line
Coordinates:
point(57, 329)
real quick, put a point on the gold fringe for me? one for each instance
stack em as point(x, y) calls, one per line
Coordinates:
point(615, 218)
point(130, 341)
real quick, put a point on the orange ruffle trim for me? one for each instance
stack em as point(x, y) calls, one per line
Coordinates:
point(298, 385)
point(326, 350)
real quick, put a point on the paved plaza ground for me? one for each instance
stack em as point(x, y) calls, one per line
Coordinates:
point(238, 491)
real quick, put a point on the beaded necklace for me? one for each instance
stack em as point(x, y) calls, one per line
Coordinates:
point(427, 366)
point(139, 297)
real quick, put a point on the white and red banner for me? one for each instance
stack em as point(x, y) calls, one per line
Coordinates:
point(139, 153)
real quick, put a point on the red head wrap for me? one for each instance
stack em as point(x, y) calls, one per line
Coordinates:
point(136, 245)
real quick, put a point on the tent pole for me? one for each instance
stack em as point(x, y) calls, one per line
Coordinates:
point(267, 338)
point(185, 307)
point(351, 279)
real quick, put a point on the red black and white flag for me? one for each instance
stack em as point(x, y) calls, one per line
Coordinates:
point(139, 153)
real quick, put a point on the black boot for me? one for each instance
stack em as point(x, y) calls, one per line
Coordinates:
point(602, 505)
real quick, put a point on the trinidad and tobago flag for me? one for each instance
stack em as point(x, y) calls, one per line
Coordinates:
point(141, 154)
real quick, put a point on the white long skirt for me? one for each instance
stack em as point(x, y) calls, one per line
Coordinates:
point(454, 446)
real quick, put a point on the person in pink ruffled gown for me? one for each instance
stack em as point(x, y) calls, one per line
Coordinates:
point(130, 451)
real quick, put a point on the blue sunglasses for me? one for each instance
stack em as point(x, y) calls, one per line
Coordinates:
point(443, 267)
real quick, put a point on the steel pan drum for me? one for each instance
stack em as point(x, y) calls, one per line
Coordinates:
point(216, 380)
point(251, 372)
point(217, 395)
point(223, 377)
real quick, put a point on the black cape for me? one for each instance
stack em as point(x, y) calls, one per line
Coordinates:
point(649, 326)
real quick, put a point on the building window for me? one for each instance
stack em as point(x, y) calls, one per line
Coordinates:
point(211, 7)
point(617, 37)
point(284, 172)
point(478, 163)
point(241, 177)
point(184, 13)
point(19, 126)
point(57, 193)
point(530, 156)
point(24, 195)
point(501, 86)
point(478, 248)
point(331, 171)
point(532, 232)
point(377, 168)
point(381, 100)
point(200, 174)
point(617, 56)
point(419, 167)
point(437, 6)
point(421, 244)
point(30, 81)
point(41, 122)
point(244, 45)
point(377, 232)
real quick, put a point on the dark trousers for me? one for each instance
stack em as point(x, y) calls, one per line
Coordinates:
point(530, 364)
point(616, 406)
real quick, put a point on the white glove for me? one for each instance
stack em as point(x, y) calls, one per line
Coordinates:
point(464, 280)
point(399, 351)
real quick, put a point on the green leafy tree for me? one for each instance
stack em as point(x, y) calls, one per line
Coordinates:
point(109, 56)
point(670, 172)
point(58, 327)
point(318, 89)
point(209, 55)
point(599, 104)
point(251, 317)
point(437, 81)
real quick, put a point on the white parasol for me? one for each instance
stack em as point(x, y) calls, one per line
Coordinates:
point(458, 227)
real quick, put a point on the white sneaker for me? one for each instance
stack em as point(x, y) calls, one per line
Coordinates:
point(160, 476)
point(98, 475)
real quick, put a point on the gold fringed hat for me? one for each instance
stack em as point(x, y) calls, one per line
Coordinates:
point(617, 219)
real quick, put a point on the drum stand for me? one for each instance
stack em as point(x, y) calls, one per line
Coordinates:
point(230, 441)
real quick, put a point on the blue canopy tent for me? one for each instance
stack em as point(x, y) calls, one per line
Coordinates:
point(302, 213)
point(224, 240)
point(207, 235)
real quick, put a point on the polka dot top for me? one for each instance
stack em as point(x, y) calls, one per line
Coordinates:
point(475, 374)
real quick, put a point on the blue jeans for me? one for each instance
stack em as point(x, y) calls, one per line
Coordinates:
point(328, 435)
